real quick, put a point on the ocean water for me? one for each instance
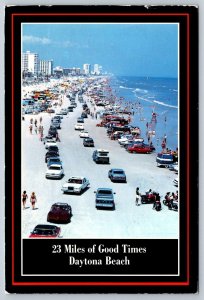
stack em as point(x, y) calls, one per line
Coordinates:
point(145, 95)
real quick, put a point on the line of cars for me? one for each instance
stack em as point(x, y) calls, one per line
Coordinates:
point(60, 212)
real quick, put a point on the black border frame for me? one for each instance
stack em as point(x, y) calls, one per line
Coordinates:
point(187, 17)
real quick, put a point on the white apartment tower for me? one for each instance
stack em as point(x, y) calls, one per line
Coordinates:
point(97, 69)
point(87, 69)
point(30, 62)
point(46, 67)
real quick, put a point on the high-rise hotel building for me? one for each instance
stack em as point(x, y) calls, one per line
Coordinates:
point(87, 69)
point(30, 62)
point(46, 67)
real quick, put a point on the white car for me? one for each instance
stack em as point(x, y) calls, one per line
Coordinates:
point(125, 140)
point(50, 143)
point(55, 171)
point(75, 184)
point(79, 127)
point(84, 134)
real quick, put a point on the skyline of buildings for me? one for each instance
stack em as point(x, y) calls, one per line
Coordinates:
point(32, 65)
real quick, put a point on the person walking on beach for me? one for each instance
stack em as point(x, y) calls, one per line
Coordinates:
point(31, 120)
point(138, 197)
point(36, 129)
point(31, 129)
point(40, 120)
point(33, 200)
point(41, 137)
point(36, 122)
point(24, 198)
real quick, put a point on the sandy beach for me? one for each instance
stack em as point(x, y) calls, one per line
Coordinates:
point(128, 220)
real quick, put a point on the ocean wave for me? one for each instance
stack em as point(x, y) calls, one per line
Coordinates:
point(140, 91)
point(164, 104)
point(124, 87)
point(173, 90)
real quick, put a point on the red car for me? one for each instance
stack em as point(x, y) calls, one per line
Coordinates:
point(45, 231)
point(139, 149)
point(60, 212)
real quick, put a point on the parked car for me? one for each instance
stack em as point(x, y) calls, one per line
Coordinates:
point(80, 120)
point(101, 156)
point(53, 132)
point(70, 109)
point(45, 231)
point(117, 175)
point(139, 149)
point(64, 111)
point(104, 198)
point(49, 143)
point(50, 110)
point(56, 124)
point(57, 118)
point(84, 115)
point(75, 184)
point(88, 142)
point(79, 127)
point(125, 139)
point(53, 148)
point(84, 134)
point(54, 160)
point(59, 114)
point(54, 171)
point(48, 138)
point(74, 104)
point(164, 159)
point(51, 154)
point(60, 212)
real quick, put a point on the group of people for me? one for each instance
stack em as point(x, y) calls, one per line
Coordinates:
point(33, 199)
point(169, 198)
point(37, 129)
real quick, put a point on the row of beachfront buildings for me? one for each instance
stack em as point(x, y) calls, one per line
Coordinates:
point(32, 65)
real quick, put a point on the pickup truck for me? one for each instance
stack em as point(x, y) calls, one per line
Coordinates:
point(101, 156)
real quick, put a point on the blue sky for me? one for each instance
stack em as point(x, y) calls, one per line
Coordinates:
point(121, 49)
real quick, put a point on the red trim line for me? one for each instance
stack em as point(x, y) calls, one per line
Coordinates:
point(185, 283)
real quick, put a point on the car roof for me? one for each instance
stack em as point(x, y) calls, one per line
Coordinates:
point(55, 165)
point(117, 170)
point(61, 203)
point(76, 177)
point(104, 189)
point(45, 226)
point(54, 157)
point(102, 150)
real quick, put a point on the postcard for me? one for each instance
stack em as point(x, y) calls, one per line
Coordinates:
point(101, 149)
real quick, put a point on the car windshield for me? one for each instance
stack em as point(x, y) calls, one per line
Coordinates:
point(118, 172)
point(44, 231)
point(106, 192)
point(103, 153)
point(59, 207)
point(73, 180)
point(54, 160)
point(54, 168)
